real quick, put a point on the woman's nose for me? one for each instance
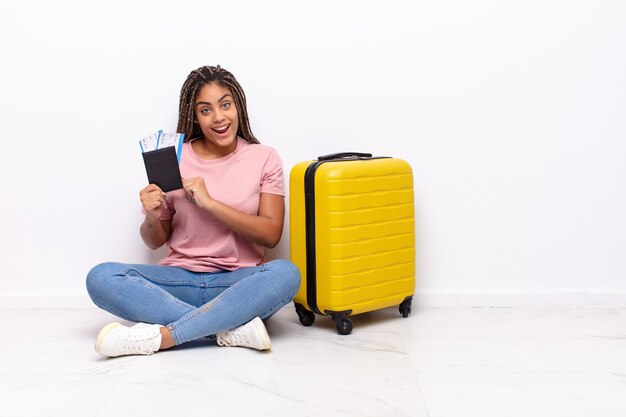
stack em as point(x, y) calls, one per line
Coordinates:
point(218, 115)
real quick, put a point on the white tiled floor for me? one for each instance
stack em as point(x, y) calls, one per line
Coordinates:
point(438, 363)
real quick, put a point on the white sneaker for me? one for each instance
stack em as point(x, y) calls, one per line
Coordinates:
point(252, 334)
point(116, 340)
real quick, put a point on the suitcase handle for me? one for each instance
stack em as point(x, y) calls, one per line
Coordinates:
point(341, 155)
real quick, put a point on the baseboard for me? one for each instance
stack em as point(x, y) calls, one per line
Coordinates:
point(45, 300)
point(426, 299)
point(519, 299)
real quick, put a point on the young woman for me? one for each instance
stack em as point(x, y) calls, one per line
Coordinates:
point(215, 279)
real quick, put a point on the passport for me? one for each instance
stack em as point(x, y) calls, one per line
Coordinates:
point(162, 168)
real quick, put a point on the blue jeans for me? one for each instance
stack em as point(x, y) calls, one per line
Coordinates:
point(192, 304)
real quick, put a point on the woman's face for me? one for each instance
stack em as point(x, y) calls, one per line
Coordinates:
point(217, 116)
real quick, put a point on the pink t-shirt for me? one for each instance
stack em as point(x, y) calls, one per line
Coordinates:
point(199, 242)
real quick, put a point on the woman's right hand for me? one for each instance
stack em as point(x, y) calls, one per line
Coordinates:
point(153, 201)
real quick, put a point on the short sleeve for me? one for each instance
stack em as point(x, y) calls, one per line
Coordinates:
point(168, 211)
point(272, 179)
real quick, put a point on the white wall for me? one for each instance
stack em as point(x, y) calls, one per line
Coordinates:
point(511, 113)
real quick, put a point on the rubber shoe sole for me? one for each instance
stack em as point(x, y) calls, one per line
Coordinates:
point(103, 333)
point(266, 342)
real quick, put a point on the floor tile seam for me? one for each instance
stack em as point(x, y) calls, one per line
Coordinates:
point(618, 335)
point(417, 382)
point(119, 383)
point(601, 372)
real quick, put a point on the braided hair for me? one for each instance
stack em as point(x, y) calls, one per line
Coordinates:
point(191, 88)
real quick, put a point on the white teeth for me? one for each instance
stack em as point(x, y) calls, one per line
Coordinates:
point(221, 129)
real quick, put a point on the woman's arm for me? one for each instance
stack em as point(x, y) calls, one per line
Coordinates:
point(265, 228)
point(154, 231)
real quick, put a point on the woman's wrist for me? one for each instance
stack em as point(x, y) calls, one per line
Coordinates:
point(150, 222)
point(207, 204)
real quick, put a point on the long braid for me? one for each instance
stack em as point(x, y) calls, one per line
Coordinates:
point(191, 88)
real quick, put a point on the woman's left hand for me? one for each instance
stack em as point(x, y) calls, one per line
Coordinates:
point(197, 192)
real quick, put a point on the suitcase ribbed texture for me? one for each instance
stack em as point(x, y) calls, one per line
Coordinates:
point(364, 240)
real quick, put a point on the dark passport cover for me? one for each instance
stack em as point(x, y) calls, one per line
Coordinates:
point(162, 168)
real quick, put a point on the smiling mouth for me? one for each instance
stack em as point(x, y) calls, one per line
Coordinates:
point(221, 130)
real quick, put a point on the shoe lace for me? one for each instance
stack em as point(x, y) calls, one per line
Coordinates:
point(140, 342)
point(232, 338)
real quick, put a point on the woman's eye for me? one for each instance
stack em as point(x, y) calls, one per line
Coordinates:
point(226, 106)
point(205, 111)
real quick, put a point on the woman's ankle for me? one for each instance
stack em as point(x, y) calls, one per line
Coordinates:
point(167, 340)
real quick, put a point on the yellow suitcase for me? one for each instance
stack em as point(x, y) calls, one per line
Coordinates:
point(352, 236)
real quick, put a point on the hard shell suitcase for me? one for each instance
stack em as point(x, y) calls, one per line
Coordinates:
point(352, 236)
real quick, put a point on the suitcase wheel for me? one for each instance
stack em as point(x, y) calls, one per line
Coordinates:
point(405, 307)
point(306, 317)
point(344, 326)
point(343, 323)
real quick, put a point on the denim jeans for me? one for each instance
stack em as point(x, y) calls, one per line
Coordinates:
point(192, 304)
